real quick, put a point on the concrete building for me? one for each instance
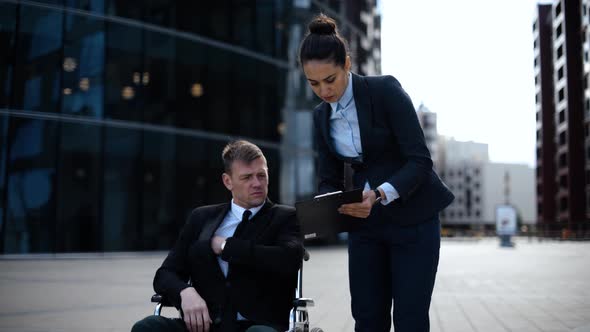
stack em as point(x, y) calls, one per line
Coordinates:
point(465, 179)
point(563, 116)
point(428, 123)
point(480, 185)
point(452, 151)
point(512, 184)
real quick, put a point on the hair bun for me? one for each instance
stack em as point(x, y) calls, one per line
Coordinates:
point(322, 25)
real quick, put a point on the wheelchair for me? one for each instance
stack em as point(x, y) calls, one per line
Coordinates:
point(299, 317)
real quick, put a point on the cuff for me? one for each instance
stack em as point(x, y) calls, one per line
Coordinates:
point(391, 193)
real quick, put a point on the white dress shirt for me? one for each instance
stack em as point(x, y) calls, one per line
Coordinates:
point(228, 228)
point(346, 135)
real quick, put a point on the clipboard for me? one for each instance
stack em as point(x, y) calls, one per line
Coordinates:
point(319, 217)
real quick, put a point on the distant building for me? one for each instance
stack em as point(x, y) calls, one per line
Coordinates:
point(428, 122)
point(465, 179)
point(478, 184)
point(563, 116)
point(453, 151)
point(512, 184)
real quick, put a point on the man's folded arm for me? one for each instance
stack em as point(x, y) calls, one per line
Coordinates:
point(283, 258)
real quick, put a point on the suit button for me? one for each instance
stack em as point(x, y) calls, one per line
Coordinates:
point(227, 284)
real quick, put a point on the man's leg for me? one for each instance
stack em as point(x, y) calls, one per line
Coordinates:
point(414, 264)
point(159, 324)
point(370, 280)
point(260, 328)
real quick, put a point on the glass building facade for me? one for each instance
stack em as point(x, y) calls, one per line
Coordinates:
point(113, 114)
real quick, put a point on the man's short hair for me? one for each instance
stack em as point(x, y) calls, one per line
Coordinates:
point(240, 150)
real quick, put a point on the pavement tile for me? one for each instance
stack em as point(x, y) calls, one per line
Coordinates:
point(536, 287)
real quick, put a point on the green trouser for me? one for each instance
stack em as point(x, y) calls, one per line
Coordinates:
point(164, 324)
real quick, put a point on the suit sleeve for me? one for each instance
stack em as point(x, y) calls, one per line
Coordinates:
point(283, 258)
point(173, 276)
point(330, 168)
point(404, 124)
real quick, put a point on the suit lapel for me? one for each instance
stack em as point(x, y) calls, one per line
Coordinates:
point(325, 112)
point(362, 100)
point(212, 224)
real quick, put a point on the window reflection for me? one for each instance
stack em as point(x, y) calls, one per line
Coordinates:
point(30, 217)
point(83, 66)
point(3, 151)
point(7, 37)
point(79, 179)
point(96, 6)
point(38, 66)
point(123, 94)
point(121, 189)
point(89, 187)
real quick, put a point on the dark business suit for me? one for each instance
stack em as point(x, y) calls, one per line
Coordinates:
point(263, 258)
point(394, 253)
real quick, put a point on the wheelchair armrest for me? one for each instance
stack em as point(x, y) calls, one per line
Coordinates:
point(303, 303)
point(157, 298)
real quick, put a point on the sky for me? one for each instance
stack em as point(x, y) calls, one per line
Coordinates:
point(471, 62)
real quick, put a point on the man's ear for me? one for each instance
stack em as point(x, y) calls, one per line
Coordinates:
point(347, 63)
point(226, 181)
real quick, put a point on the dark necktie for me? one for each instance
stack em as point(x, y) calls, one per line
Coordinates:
point(243, 223)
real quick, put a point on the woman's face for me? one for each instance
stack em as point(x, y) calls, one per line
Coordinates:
point(327, 79)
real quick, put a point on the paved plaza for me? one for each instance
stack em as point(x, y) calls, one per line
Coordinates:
point(536, 286)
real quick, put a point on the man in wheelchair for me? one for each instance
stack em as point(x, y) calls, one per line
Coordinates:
point(241, 257)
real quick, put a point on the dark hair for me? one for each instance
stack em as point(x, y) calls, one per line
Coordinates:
point(323, 42)
point(240, 150)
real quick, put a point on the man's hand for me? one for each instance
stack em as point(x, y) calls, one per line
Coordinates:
point(216, 242)
point(362, 209)
point(196, 314)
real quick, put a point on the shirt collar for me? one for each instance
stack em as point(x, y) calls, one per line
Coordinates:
point(346, 96)
point(238, 211)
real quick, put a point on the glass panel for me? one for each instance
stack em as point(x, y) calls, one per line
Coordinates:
point(78, 185)
point(3, 151)
point(129, 8)
point(83, 83)
point(163, 12)
point(266, 28)
point(38, 60)
point(160, 222)
point(225, 92)
point(243, 27)
point(122, 189)
point(158, 80)
point(95, 6)
point(216, 16)
point(52, 2)
point(124, 73)
point(7, 38)
point(30, 215)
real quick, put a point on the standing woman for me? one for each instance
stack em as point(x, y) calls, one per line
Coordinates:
point(369, 124)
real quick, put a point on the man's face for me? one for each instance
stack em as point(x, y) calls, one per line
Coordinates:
point(248, 182)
